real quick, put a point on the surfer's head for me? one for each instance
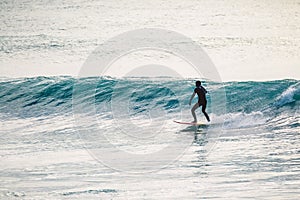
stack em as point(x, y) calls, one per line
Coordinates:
point(198, 83)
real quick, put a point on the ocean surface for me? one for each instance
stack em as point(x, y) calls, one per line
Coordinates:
point(63, 137)
point(52, 146)
point(255, 39)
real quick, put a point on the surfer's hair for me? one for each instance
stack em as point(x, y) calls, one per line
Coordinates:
point(198, 83)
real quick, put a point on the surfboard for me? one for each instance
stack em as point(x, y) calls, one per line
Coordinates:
point(190, 123)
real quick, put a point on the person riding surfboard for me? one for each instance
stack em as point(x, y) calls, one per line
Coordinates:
point(201, 92)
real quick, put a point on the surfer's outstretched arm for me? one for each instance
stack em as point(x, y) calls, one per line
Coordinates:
point(205, 91)
point(193, 95)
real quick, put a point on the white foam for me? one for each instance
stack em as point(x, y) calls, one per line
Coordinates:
point(288, 95)
point(239, 119)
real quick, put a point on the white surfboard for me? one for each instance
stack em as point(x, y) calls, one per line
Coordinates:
point(191, 123)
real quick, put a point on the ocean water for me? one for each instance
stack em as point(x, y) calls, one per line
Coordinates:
point(63, 137)
point(42, 37)
point(52, 144)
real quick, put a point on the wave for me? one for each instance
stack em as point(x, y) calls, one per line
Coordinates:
point(245, 101)
point(290, 95)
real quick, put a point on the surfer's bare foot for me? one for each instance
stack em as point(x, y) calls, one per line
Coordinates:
point(195, 121)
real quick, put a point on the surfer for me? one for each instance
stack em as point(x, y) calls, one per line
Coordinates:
point(201, 92)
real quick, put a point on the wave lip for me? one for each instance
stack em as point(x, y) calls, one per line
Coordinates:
point(290, 95)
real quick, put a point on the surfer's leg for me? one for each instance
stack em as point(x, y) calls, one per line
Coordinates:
point(203, 110)
point(193, 111)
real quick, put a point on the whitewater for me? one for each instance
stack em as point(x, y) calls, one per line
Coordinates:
point(60, 135)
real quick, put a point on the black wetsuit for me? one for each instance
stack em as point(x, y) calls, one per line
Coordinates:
point(201, 92)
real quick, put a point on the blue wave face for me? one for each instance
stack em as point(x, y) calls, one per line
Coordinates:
point(46, 96)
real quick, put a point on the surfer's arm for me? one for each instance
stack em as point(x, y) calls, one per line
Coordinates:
point(205, 91)
point(193, 95)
